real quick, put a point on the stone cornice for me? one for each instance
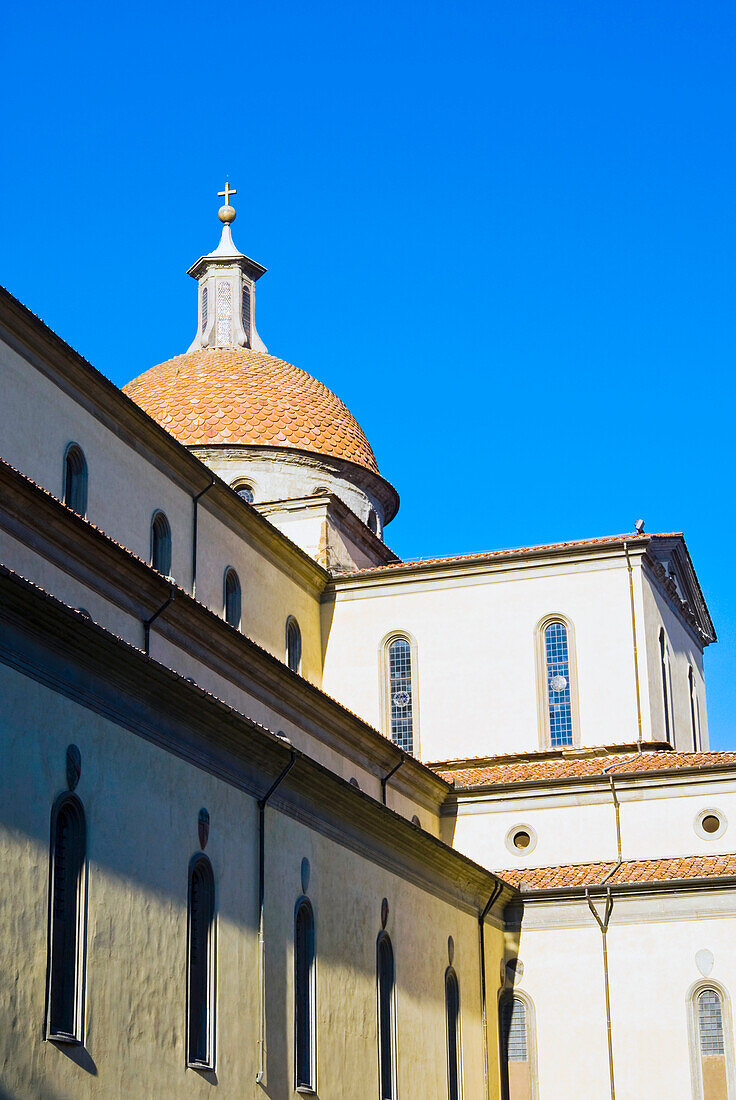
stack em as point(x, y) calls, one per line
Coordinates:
point(39, 520)
point(89, 388)
point(113, 679)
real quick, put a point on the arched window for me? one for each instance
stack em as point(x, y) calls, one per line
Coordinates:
point(304, 1031)
point(224, 313)
point(232, 598)
point(200, 1034)
point(386, 1018)
point(558, 684)
point(400, 693)
point(246, 314)
point(518, 1064)
point(67, 920)
point(452, 1012)
point(204, 308)
point(665, 669)
point(244, 491)
point(161, 544)
point(293, 644)
point(694, 709)
point(711, 1046)
point(75, 479)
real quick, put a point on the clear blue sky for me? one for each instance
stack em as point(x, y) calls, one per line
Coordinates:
point(503, 233)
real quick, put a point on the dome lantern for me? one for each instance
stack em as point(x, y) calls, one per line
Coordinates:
point(226, 300)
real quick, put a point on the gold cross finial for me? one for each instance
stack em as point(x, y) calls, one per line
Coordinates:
point(227, 193)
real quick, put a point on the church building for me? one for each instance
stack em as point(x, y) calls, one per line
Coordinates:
point(286, 815)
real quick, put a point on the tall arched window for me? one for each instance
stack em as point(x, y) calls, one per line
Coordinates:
point(67, 920)
point(246, 314)
point(161, 544)
point(386, 1018)
point(694, 709)
point(304, 1031)
point(665, 670)
point(204, 308)
point(558, 677)
point(452, 1012)
point(400, 694)
point(232, 598)
point(201, 957)
point(293, 644)
point(711, 1046)
point(518, 1068)
point(75, 479)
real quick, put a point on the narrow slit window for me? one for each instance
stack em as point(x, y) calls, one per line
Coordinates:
point(246, 314)
point(386, 1019)
point(400, 694)
point(452, 1009)
point(232, 598)
point(559, 697)
point(515, 1052)
point(75, 479)
point(67, 921)
point(293, 645)
point(201, 964)
point(161, 544)
point(204, 308)
point(664, 663)
point(304, 996)
point(694, 709)
point(712, 1047)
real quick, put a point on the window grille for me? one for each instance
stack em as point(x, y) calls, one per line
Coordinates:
point(224, 313)
point(246, 314)
point(400, 694)
point(201, 954)
point(246, 492)
point(161, 544)
point(665, 684)
point(452, 1008)
point(304, 994)
point(67, 919)
point(710, 1023)
point(559, 699)
point(386, 1017)
point(75, 479)
point(232, 598)
point(204, 308)
point(513, 1030)
point(293, 645)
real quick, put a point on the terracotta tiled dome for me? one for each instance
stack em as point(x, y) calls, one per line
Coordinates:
point(238, 396)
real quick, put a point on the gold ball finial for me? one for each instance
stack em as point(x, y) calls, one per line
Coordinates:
point(226, 214)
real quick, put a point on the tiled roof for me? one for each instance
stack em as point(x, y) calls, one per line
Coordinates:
point(630, 871)
point(239, 396)
point(562, 767)
point(518, 551)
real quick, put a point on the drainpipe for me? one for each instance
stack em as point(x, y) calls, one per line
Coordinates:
point(482, 957)
point(148, 623)
point(195, 502)
point(261, 898)
point(603, 925)
point(636, 651)
point(388, 775)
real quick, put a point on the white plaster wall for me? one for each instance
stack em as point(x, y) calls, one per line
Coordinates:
point(476, 655)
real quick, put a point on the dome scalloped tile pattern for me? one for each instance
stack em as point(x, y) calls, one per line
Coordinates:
point(240, 396)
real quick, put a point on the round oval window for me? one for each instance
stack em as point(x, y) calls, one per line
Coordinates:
point(521, 839)
point(711, 823)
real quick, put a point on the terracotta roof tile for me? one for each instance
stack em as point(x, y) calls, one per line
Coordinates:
point(561, 767)
point(240, 396)
point(514, 552)
point(630, 871)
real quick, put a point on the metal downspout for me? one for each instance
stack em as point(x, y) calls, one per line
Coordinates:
point(261, 899)
point(388, 775)
point(636, 649)
point(483, 996)
point(603, 925)
point(149, 622)
point(195, 502)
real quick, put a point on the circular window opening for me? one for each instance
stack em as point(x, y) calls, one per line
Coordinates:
point(245, 491)
point(521, 839)
point(710, 824)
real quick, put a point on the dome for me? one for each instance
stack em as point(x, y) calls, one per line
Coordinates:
point(239, 396)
